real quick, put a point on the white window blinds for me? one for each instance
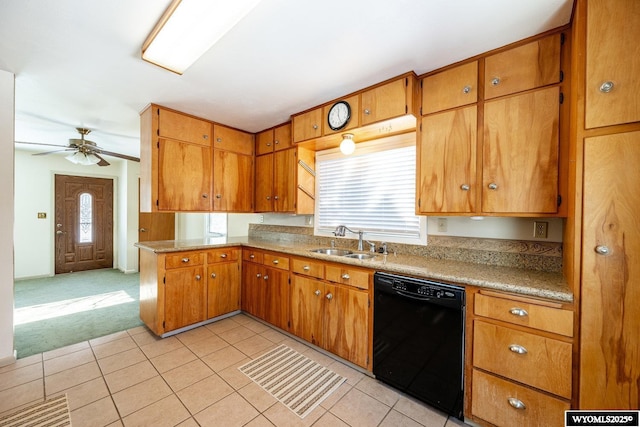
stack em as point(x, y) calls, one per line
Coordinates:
point(371, 190)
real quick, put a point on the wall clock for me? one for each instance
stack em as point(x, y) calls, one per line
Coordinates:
point(339, 115)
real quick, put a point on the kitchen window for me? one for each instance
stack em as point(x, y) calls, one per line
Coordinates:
point(372, 190)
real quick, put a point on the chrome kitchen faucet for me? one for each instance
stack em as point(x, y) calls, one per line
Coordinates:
point(342, 229)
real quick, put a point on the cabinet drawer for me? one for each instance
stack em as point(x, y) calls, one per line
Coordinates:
point(555, 320)
point(183, 259)
point(348, 276)
point(251, 255)
point(451, 88)
point(496, 400)
point(308, 267)
point(276, 261)
point(223, 255)
point(538, 361)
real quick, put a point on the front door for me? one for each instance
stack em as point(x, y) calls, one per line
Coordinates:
point(84, 223)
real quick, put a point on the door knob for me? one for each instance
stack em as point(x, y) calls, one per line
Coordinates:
point(59, 232)
point(143, 230)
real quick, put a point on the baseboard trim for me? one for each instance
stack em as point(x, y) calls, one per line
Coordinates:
point(9, 360)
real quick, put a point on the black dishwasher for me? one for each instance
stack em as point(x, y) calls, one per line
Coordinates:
point(418, 339)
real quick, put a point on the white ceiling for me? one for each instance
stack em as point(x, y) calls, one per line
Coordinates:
point(77, 62)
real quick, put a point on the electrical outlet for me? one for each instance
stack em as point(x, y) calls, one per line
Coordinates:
point(261, 219)
point(540, 229)
point(442, 225)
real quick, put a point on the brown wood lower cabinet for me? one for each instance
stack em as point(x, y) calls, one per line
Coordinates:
point(521, 367)
point(331, 315)
point(177, 289)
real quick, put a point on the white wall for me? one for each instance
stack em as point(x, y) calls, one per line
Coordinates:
point(7, 85)
point(34, 182)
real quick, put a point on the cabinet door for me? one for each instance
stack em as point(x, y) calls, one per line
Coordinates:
point(225, 138)
point(184, 176)
point(282, 137)
point(264, 183)
point(346, 323)
point(307, 314)
point(610, 314)
point(232, 181)
point(253, 290)
point(384, 102)
point(284, 194)
point(264, 142)
point(223, 283)
point(307, 125)
point(613, 62)
point(520, 159)
point(452, 88)
point(181, 127)
point(185, 297)
point(447, 162)
point(525, 67)
point(276, 282)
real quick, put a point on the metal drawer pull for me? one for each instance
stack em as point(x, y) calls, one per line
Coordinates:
point(198, 277)
point(306, 268)
point(345, 276)
point(275, 261)
point(223, 255)
point(465, 187)
point(185, 260)
point(329, 296)
point(602, 250)
point(515, 348)
point(521, 312)
point(495, 81)
point(516, 403)
point(252, 256)
point(606, 87)
point(317, 292)
point(266, 277)
point(493, 186)
point(466, 89)
point(213, 275)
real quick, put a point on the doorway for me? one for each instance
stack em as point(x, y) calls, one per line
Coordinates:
point(84, 223)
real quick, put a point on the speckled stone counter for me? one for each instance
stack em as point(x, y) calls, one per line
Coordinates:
point(536, 283)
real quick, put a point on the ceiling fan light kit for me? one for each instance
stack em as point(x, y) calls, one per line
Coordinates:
point(188, 29)
point(80, 158)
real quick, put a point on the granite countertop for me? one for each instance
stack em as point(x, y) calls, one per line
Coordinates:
point(515, 280)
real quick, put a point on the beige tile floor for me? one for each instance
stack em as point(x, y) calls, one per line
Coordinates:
point(133, 378)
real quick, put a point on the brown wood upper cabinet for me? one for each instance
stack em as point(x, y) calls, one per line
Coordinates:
point(226, 138)
point(451, 88)
point(525, 67)
point(307, 125)
point(232, 181)
point(181, 127)
point(612, 83)
point(274, 139)
point(387, 101)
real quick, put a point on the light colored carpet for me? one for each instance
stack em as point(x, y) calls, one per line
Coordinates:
point(50, 413)
point(65, 309)
point(295, 380)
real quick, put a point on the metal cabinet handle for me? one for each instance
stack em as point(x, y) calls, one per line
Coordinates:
point(218, 139)
point(367, 112)
point(315, 126)
point(306, 268)
point(276, 262)
point(218, 196)
point(277, 142)
point(518, 349)
point(198, 277)
point(268, 197)
point(258, 275)
point(493, 186)
point(602, 250)
point(495, 81)
point(205, 195)
point(268, 144)
point(516, 403)
point(345, 276)
point(252, 256)
point(606, 87)
point(185, 260)
point(266, 277)
point(466, 89)
point(465, 187)
point(213, 275)
point(521, 312)
point(205, 136)
point(223, 255)
point(275, 197)
point(329, 296)
point(317, 292)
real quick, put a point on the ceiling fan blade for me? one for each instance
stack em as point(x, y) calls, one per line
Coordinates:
point(41, 143)
point(54, 151)
point(102, 161)
point(121, 156)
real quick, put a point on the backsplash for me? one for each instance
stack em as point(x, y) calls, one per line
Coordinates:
point(543, 256)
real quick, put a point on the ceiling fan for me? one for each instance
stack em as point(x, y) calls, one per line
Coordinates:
point(84, 152)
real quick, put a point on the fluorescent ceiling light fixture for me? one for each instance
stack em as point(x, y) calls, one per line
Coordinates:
point(189, 28)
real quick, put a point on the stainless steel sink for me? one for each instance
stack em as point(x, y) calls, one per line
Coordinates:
point(332, 251)
point(360, 256)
